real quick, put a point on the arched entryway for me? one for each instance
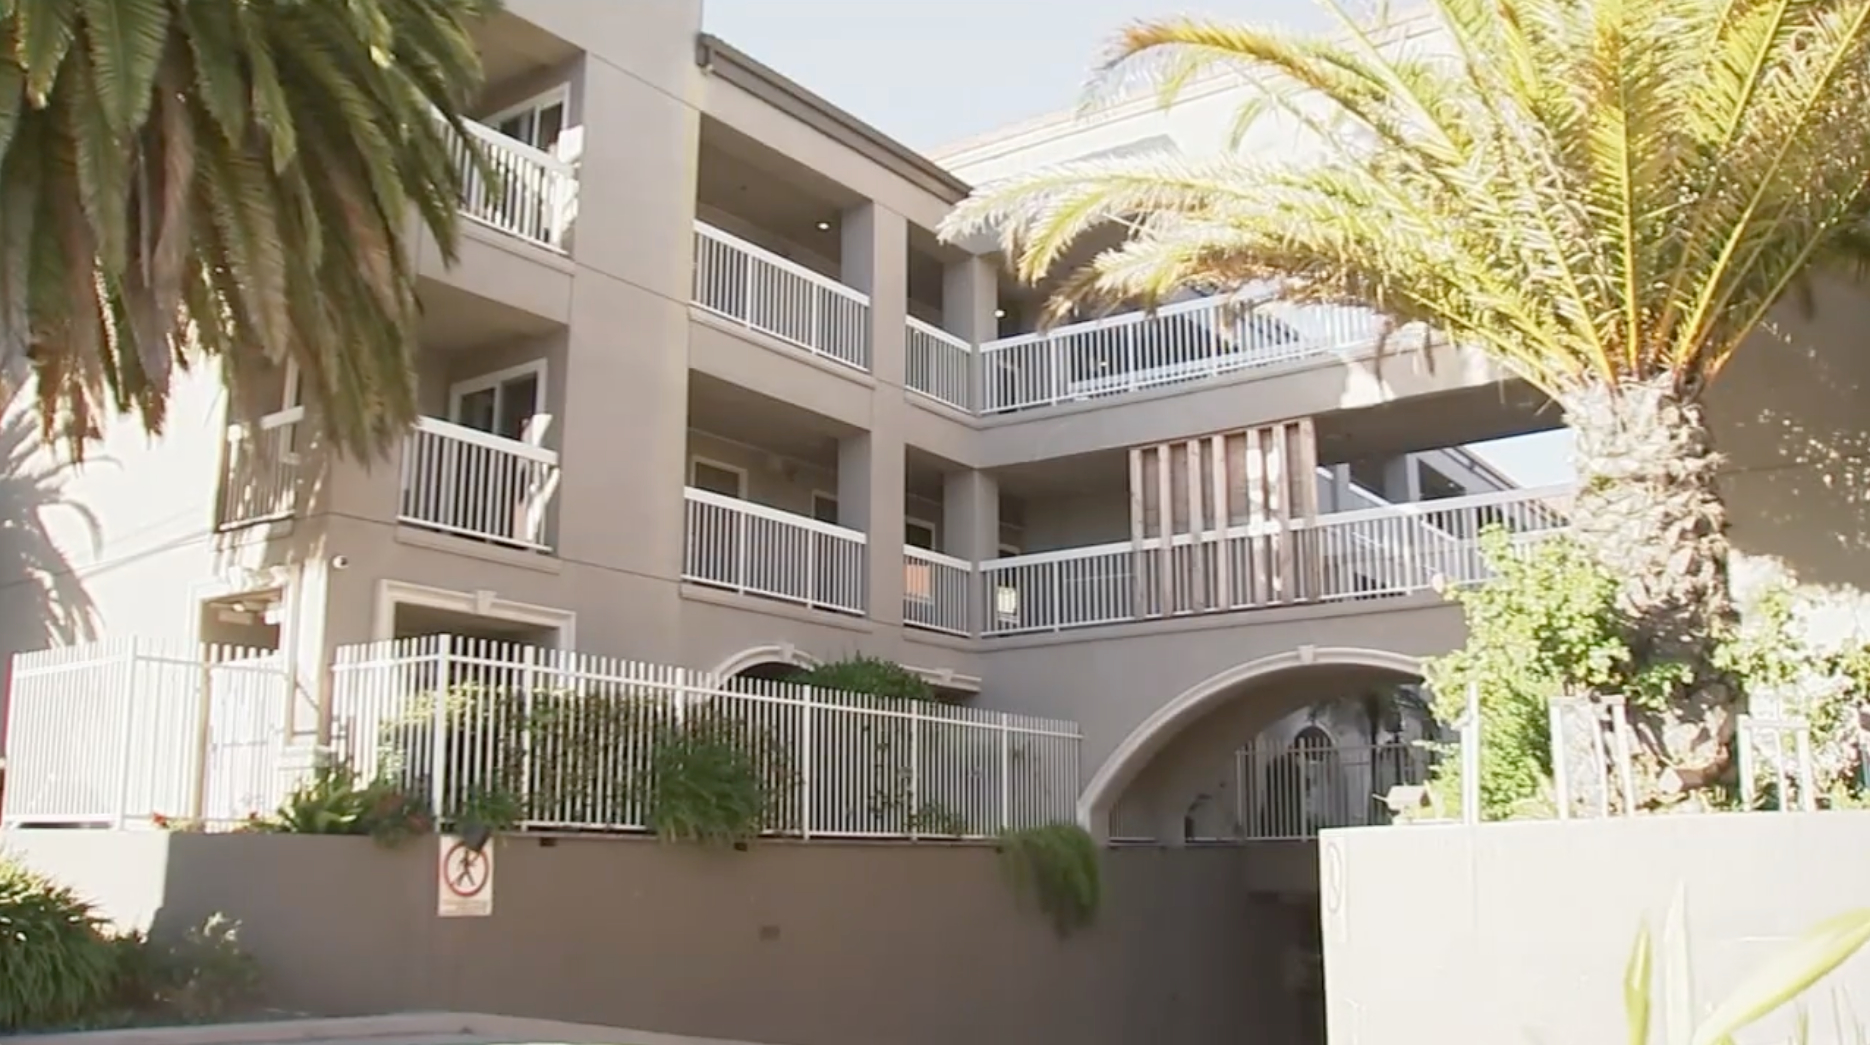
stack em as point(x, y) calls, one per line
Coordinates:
point(778, 662)
point(1202, 726)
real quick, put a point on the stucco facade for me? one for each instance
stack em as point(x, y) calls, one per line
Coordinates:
point(729, 325)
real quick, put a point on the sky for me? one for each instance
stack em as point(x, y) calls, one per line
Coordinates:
point(932, 72)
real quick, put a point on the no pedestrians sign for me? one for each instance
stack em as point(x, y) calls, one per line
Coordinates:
point(464, 879)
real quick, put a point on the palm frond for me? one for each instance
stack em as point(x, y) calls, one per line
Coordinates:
point(180, 179)
point(1596, 192)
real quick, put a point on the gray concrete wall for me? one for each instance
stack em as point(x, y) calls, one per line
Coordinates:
point(814, 944)
point(1521, 931)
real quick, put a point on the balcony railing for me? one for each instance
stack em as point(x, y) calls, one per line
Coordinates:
point(935, 591)
point(1179, 343)
point(757, 550)
point(260, 477)
point(1371, 553)
point(530, 194)
point(765, 292)
point(474, 484)
point(935, 363)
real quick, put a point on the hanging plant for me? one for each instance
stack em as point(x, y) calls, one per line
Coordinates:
point(1056, 865)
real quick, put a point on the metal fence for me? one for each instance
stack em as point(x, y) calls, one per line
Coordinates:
point(575, 739)
point(134, 731)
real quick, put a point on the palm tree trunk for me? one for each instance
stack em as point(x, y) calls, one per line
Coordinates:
point(1649, 510)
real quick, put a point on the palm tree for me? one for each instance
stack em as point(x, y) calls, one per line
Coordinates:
point(229, 180)
point(1609, 196)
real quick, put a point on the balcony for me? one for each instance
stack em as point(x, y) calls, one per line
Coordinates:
point(764, 292)
point(261, 470)
point(1378, 552)
point(473, 484)
point(936, 591)
point(755, 550)
point(1190, 341)
point(524, 192)
point(937, 364)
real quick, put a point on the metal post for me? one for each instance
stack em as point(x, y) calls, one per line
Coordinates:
point(128, 701)
point(915, 771)
point(204, 730)
point(1006, 771)
point(1470, 757)
point(438, 729)
point(1808, 787)
point(1743, 737)
point(1626, 773)
point(1561, 772)
point(807, 755)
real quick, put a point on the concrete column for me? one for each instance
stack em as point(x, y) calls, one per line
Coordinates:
point(870, 466)
point(1340, 488)
point(1402, 483)
point(870, 498)
point(970, 297)
point(971, 529)
point(876, 261)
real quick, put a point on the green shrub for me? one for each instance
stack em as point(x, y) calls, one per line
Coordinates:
point(335, 802)
point(57, 965)
point(203, 976)
point(1057, 865)
point(872, 676)
point(713, 778)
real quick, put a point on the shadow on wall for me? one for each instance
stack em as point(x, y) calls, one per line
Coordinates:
point(822, 943)
point(1789, 417)
point(43, 601)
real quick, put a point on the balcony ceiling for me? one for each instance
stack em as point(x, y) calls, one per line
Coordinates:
point(511, 48)
point(779, 195)
point(1428, 422)
point(751, 419)
point(454, 320)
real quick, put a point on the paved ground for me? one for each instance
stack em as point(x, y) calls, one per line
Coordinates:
point(442, 1028)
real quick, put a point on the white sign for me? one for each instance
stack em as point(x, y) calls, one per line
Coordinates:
point(464, 879)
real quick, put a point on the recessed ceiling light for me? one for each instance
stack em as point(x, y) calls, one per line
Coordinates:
point(999, 313)
point(824, 226)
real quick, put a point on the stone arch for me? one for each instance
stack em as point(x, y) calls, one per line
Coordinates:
point(1148, 739)
point(772, 653)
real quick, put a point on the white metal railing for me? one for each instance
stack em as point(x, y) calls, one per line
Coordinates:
point(780, 298)
point(134, 731)
point(575, 739)
point(1188, 341)
point(525, 192)
point(1390, 550)
point(758, 550)
point(472, 483)
point(260, 474)
point(936, 591)
point(936, 364)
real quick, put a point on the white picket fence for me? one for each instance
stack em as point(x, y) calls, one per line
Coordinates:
point(573, 737)
point(132, 731)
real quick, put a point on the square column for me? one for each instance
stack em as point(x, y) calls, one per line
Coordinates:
point(970, 297)
point(870, 499)
point(1402, 482)
point(971, 530)
point(876, 261)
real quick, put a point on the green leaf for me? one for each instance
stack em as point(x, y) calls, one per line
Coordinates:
point(1636, 988)
point(1787, 975)
point(127, 38)
point(46, 31)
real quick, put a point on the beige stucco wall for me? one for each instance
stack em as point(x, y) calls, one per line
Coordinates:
point(816, 943)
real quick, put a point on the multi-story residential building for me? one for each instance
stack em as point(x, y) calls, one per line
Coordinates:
point(706, 389)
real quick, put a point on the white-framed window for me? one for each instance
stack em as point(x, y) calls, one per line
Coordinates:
point(538, 121)
point(825, 507)
point(502, 403)
point(715, 477)
point(919, 533)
